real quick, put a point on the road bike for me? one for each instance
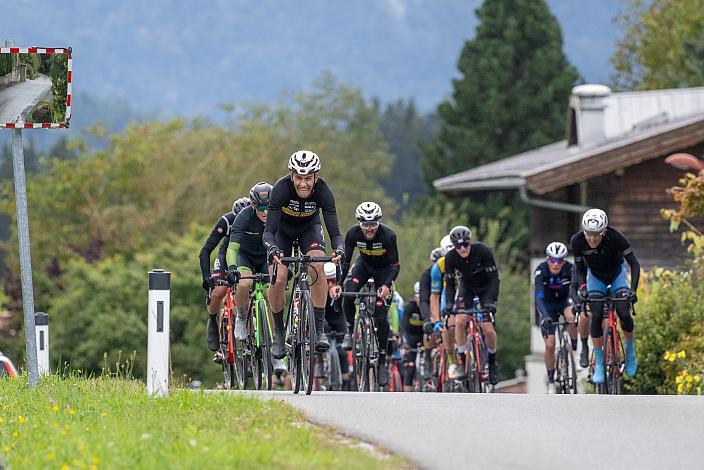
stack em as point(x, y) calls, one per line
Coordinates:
point(565, 366)
point(300, 323)
point(476, 359)
point(227, 340)
point(365, 344)
point(329, 372)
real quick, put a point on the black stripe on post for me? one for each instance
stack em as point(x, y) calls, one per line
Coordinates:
point(159, 280)
point(160, 316)
point(41, 318)
point(41, 340)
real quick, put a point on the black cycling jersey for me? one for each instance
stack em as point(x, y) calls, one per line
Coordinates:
point(553, 288)
point(247, 230)
point(478, 271)
point(379, 252)
point(287, 208)
point(424, 294)
point(220, 231)
point(604, 261)
point(412, 320)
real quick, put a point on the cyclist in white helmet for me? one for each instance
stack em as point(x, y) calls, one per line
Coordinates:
point(378, 258)
point(294, 214)
point(553, 280)
point(599, 253)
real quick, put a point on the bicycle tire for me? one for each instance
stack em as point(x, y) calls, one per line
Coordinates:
point(572, 372)
point(398, 383)
point(483, 367)
point(307, 316)
point(429, 383)
point(264, 345)
point(471, 367)
point(374, 353)
point(292, 334)
point(611, 363)
point(335, 370)
point(225, 340)
point(360, 355)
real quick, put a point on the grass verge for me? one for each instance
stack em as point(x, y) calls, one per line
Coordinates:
point(78, 422)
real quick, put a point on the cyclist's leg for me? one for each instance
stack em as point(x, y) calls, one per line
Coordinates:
point(214, 306)
point(218, 292)
point(381, 321)
point(569, 317)
point(463, 300)
point(490, 338)
point(597, 291)
point(548, 333)
point(312, 243)
point(622, 306)
point(276, 294)
point(356, 278)
point(411, 341)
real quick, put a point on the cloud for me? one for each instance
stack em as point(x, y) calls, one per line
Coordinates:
point(396, 8)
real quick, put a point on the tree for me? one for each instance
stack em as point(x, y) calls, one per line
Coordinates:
point(662, 45)
point(512, 93)
point(404, 130)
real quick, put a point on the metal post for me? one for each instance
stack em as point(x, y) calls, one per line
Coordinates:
point(25, 258)
point(41, 321)
point(158, 333)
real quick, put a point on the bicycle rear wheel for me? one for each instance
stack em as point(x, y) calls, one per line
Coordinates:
point(228, 361)
point(396, 382)
point(483, 367)
point(292, 336)
point(360, 355)
point(335, 372)
point(472, 367)
point(308, 344)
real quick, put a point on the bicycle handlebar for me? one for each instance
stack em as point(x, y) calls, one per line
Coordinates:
point(305, 259)
point(365, 295)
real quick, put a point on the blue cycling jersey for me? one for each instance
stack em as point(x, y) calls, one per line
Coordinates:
point(437, 281)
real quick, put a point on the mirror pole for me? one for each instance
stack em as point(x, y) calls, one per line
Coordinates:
point(25, 259)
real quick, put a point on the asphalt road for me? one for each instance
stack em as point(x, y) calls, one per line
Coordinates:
point(452, 431)
point(20, 98)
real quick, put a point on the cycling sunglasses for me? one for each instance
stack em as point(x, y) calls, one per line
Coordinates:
point(262, 208)
point(369, 224)
point(593, 234)
point(556, 260)
point(461, 244)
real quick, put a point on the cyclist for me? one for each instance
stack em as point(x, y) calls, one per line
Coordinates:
point(294, 214)
point(437, 302)
point(599, 253)
point(335, 320)
point(412, 334)
point(553, 279)
point(246, 254)
point(478, 276)
point(378, 258)
point(425, 286)
point(217, 293)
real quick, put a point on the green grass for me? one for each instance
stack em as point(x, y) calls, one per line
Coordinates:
point(111, 423)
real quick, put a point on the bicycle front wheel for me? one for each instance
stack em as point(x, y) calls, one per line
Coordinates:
point(360, 355)
point(612, 361)
point(263, 348)
point(308, 344)
point(226, 351)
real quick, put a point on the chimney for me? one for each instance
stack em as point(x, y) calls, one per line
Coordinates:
point(587, 114)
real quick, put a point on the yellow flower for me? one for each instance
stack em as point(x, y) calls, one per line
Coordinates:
point(2, 420)
point(96, 460)
point(49, 456)
point(65, 467)
point(21, 420)
point(103, 414)
point(55, 425)
point(678, 379)
point(6, 449)
point(681, 354)
point(697, 378)
point(680, 388)
point(667, 355)
point(72, 411)
point(672, 358)
point(16, 433)
point(55, 407)
point(689, 378)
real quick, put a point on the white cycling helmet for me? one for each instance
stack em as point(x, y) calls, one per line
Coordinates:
point(446, 244)
point(368, 212)
point(594, 220)
point(416, 288)
point(556, 250)
point(436, 254)
point(304, 162)
point(330, 270)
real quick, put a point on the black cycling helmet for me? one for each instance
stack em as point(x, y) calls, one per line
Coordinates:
point(240, 204)
point(460, 234)
point(259, 194)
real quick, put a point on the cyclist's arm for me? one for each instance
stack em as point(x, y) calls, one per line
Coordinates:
point(424, 296)
point(327, 203)
point(222, 252)
point(349, 251)
point(492, 274)
point(450, 284)
point(580, 268)
point(540, 294)
point(635, 269)
point(211, 242)
point(435, 291)
point(236, 233)
point(394, 265)
point(273, 218)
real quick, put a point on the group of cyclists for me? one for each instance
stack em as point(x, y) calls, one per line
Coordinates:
point(462, 275)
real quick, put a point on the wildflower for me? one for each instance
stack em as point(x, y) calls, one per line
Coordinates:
point(21, 420)
point(678, 379)
point(192, 442)
point(55, 407)
point(103, 414)
point(16, 433)
point(1, 420)
point(688, 378)
point(71, 411)
point(680, 388)
point(145, 436)
point(95, 460)
point(681, 354)
point(697, 379)
point(672, 358)
point(65, 467)
point(6, 449)
point(667, 355)
point(49, 456)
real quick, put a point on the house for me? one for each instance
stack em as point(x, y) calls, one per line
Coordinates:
point(613, 158)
